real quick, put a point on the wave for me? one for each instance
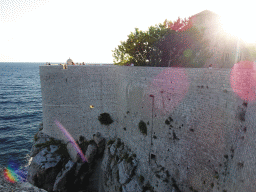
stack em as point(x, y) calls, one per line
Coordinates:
point(21, 102)
point(34, 114)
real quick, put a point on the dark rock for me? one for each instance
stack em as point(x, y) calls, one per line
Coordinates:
point(132, 186)
point(41, 138)
point(65, 175)
point(100, 141)
point(44, 168)
point(113, 149)
point(91, 152)
point(72, 152)
point(125, 171)
point(81, 168)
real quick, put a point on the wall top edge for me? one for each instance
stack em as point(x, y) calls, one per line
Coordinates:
point(136, 67)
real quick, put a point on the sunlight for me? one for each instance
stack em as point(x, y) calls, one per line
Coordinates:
point(239, 25)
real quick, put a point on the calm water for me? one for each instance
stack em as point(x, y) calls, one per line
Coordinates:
point(20, 110)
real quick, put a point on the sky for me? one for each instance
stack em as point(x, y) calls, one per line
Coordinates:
point(87, 31)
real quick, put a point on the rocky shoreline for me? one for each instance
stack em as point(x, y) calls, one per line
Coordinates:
point(54, 169)
point(110, 166)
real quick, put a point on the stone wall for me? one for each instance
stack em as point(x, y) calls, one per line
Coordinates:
point(197, 127)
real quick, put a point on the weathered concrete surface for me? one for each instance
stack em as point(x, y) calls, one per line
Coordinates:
point(207, 125)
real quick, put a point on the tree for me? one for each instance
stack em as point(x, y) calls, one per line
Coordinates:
point(139, 45)
point(182, 46)
point(169, 44)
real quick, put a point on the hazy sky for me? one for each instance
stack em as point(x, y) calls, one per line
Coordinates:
point(87, 31)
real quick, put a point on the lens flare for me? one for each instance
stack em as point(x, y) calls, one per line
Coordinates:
point(14, 174)
point(243, 80)
point(71, 139)
point(168, 89)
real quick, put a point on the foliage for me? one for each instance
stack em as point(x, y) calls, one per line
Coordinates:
point(41, 126)
point(139, 45)
point(62, 148)
point(250, 49)
point(147, 187)
point(176, 43)
point(36, 136)
point(125, 156)
point(118, 144)
point(81, 138)
point(105, 119)
point(141, 179)
point(110, 142)
point(143, 127)
point(183, 49)
point(84, 145)
point(193, 190)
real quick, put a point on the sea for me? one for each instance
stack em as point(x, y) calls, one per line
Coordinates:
point(20, 111)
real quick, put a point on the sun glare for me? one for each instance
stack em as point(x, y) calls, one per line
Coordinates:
point(238, 26)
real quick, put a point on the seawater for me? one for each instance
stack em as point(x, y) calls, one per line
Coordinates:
point(20, 110)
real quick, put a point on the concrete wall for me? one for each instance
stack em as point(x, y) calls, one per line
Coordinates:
point(206, 137)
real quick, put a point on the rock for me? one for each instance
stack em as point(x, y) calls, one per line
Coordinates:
point(115, 174)
point(113, 149)
point(72, 152)
point(44, 168)
point(112, 164)
point(125, 171)
point(135, 162)
point(42, 138)
point(100, 141)
point(64, 176)
point(106, 161)
point(132, 186)
point(81, 168)
point(91, 152)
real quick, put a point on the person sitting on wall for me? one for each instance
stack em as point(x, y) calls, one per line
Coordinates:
point(83, 63)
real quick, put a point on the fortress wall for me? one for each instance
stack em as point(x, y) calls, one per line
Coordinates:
point(196, 101)
point(206, 135)
point(67, 95)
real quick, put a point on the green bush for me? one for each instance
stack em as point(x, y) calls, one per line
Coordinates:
point(118, 144)
point(36, 137)
point(147, 187)
point(125, 156)
point(84, 145)
point(143, 127)
point(110, 142)
point(62, 148)
point(105, 119)
point(141, 178)
point(129, 160)
point(41, 126)
point(81, 138)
